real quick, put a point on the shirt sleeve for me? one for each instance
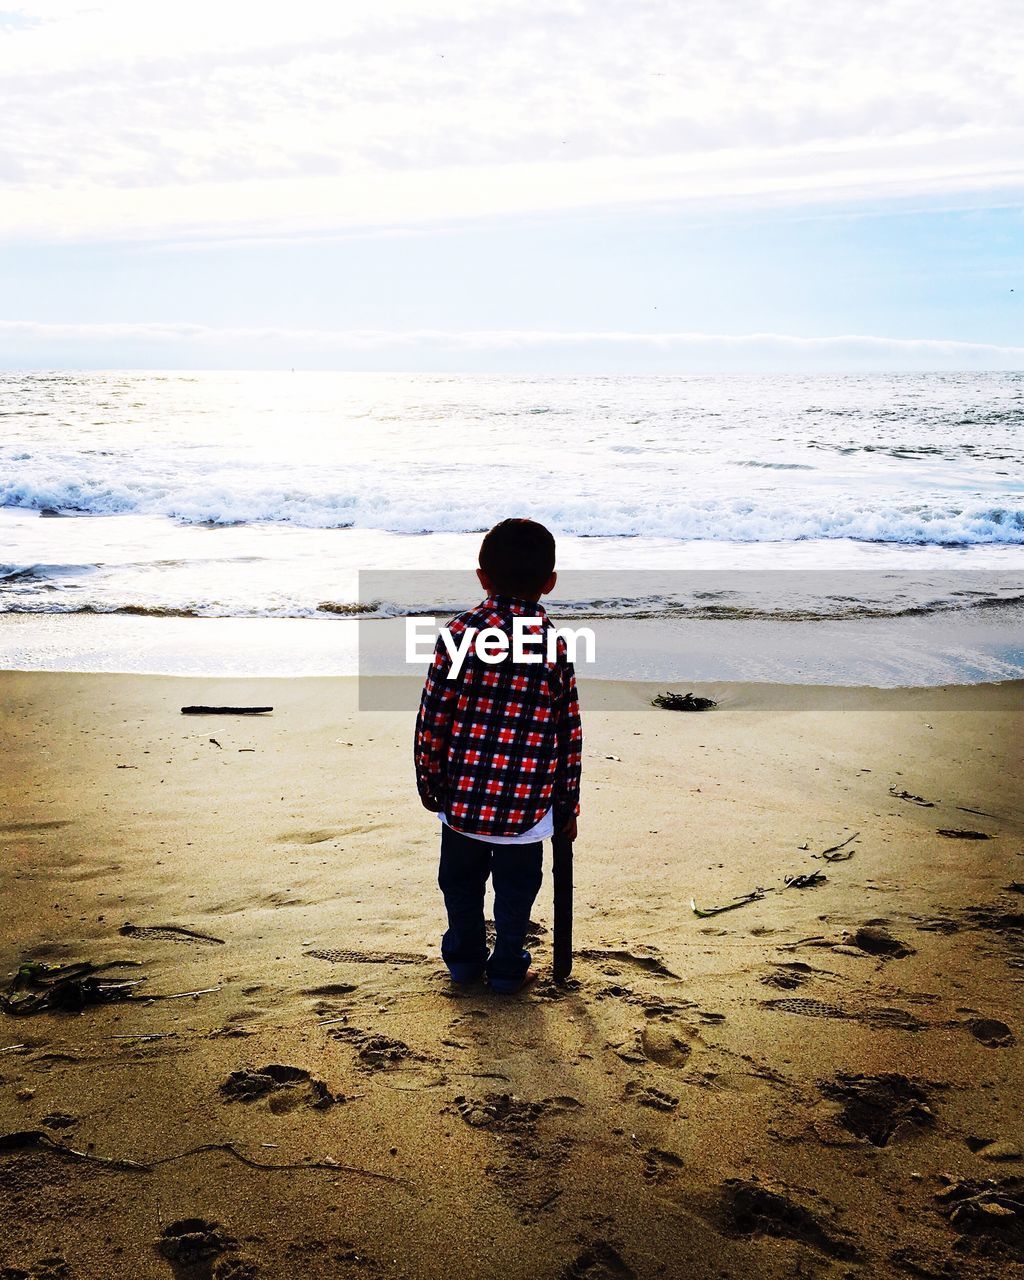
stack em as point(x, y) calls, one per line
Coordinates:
point(433, 725)
point(569, 763)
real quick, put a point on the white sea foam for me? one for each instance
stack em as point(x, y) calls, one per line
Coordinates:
point(409, 508)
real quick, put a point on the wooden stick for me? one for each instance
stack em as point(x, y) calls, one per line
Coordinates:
point(561, 875)
point(224, 711)
point(180, 995)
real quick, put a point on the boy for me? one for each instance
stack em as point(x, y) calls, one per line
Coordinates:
point(498, 756)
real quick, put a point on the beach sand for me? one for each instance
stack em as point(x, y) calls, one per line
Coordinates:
point(751, 1094)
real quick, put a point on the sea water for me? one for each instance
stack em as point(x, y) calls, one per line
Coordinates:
point(132, 498)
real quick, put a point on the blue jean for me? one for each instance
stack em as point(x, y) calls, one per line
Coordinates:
point(516, 870)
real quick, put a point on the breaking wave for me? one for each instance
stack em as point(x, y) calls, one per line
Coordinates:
point(414, 506)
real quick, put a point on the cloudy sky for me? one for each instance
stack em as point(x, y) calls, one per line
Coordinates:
point(512, 184)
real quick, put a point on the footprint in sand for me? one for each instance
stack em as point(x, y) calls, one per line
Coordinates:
point(661, 1166)
point(322, 834)
point(648, 962)
point(666, 1043)
point(880, 1108)
point(874, 939)
point(1003, 919)
point(374, 1051)
point(648, 1096)
point(169, 933)
point(308, 837)
point(339, 956)
point(531, 1145)
point(194, 1246)
point(281, 1082)
point(53, 1267)
point(881, 1018)
point(598, 1261)
point(992, 1033)
point(753, 1208)
point(30, 828)
point(506, 1112)
point(807, 1008)
point(58, 1120)
point(788, 975)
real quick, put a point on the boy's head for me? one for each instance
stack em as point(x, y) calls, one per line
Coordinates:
point(517, 558)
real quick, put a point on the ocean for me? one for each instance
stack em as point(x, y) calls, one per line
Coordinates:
point(136, 500)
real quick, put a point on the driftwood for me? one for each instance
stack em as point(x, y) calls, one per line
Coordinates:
point(224, 711)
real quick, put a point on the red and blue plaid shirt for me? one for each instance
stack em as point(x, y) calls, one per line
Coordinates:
point(500, 744)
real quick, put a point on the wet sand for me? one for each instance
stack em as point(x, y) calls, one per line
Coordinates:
point(768, 1092)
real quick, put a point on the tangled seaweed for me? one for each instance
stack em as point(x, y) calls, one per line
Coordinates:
point(682, 702)
point(38, 987)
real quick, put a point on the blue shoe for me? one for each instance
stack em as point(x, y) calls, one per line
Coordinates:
point(464, 975)
point(509, 986)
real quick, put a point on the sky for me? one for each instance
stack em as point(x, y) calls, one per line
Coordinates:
point(521, 185)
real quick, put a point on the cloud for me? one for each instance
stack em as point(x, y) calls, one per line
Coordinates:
point(27, 343)
point(132, 120)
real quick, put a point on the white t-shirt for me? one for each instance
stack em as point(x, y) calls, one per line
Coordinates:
point(542, 830)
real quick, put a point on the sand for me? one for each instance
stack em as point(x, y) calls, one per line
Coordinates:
point(761, 1093)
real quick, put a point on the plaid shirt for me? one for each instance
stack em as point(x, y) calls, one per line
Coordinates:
point(499, 745)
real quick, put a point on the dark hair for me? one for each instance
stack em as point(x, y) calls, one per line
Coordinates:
point(518, 557)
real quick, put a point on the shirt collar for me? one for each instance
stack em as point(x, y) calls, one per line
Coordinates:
point(516, 604)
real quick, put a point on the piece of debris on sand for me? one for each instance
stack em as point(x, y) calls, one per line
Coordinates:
point(682, 702)
point(39, 988)
point(898, 794)
point(805, 880)
point(988, 1216)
